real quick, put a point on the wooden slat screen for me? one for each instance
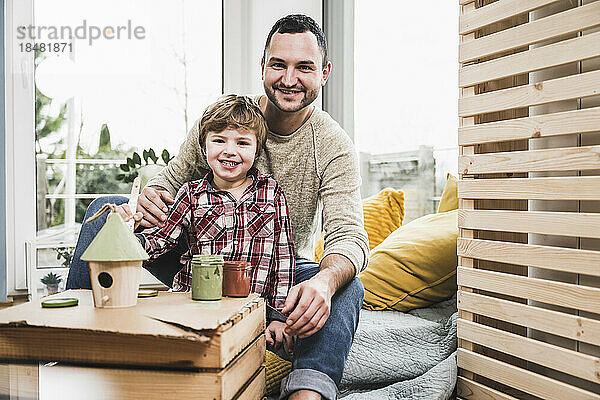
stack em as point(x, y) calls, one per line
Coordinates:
point(529, 199)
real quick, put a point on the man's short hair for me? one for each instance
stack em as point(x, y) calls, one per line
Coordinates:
point(299, 23)
point(234, 112)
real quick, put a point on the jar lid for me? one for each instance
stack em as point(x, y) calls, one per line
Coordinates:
point(59, 303)
point(147, 293)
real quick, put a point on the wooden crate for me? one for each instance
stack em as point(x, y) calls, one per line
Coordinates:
point(529, 191)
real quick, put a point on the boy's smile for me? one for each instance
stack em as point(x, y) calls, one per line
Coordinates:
point(230, 154)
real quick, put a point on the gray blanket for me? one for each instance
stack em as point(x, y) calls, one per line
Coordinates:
point(403, 355)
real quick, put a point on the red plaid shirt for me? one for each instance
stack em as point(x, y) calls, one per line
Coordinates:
point(256, 228)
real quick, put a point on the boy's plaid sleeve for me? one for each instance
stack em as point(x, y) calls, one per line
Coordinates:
point(283, 263)
point(159, 240)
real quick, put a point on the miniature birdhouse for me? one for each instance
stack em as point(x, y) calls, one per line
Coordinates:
point(115, 258)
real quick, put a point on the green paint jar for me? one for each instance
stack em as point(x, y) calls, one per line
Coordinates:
point(207, 277)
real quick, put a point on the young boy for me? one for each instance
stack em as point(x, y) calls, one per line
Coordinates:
point(233, 211)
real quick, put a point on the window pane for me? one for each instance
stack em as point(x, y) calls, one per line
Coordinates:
point(115, 77)
point(406, 98)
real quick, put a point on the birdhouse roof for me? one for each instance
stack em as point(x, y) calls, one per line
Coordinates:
point(115, 242)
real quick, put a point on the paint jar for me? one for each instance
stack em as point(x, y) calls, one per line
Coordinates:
point(207, 277)
point(236, 278)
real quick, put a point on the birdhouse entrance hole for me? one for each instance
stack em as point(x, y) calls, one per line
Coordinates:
point(105, 279)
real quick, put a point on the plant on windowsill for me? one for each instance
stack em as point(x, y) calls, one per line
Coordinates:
point(51, 280)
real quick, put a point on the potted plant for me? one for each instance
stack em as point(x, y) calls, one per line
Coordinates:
point(51, 280)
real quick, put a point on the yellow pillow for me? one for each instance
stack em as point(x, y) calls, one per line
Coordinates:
point(383, 212)
point(449, 200)
point(415, 266)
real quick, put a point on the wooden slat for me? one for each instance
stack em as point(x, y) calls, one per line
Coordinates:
point(563, 188)
point(543, 222)
point(576, 261)
point(557, 323)
point(541, 126)
point(521, 379)
point(564, 23)
point(496, 12)
point(561, 159)
point(463, 2)
point(565, 88)
point(471, 390)
point(558, 293)
point(568, 361)
point(576, 49)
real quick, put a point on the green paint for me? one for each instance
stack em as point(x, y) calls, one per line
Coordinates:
point(207, 280)
point(115, 242)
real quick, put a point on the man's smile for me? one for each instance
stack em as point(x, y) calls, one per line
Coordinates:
point(289, 92)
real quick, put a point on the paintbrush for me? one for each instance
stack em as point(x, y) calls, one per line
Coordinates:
point(133, 199)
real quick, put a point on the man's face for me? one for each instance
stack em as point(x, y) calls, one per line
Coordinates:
point(292, 70)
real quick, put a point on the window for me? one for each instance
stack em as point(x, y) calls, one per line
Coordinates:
point(405, 99)
point(111, 78)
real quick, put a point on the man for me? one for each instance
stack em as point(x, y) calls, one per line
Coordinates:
point(314, 161)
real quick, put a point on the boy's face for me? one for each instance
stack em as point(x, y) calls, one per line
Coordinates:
point(230, 154)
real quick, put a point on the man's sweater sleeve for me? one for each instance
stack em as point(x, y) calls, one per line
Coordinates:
point(187, 165)
point(343, 219)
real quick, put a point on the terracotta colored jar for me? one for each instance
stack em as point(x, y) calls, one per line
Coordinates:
point(236, 278)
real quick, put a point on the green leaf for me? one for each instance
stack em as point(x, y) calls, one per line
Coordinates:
point(136, 158)
point(145, 154)
point(124, 167)
point(120, 177)
point(165, 156)
point(130, 163)
point(152, 155)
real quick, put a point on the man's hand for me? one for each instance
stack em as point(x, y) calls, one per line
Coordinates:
point(152, 203)
point(311, 303)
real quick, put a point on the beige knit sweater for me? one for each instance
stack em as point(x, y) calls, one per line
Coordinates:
point(317, 168)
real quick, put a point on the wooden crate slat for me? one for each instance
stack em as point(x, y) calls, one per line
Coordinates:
point(463, 2)
point(472, 390)
point(576, 49)
point(564, 23)
point(565, 88)
point(554, 258)
point(543, 222)
point(557, 323)
point(495, 12)
point(520, 378)
point(568, 361)
point(578, 297)
point(558, 159)
point(540, 126)
point(562, 188)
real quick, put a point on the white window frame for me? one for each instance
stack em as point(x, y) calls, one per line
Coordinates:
point(19, 142)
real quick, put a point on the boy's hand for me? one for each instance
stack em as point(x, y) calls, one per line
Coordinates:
point(152, 203)
point(275, 333)
point(125, 213)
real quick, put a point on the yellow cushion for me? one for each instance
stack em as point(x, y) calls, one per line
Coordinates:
point(383, 212)
point(276, 368)
point(415, 266)
point(449, 200)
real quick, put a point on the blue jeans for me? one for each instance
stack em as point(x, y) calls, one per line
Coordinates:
point(318, 361)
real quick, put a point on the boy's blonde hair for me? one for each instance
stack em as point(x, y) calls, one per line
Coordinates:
point(234, 112)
